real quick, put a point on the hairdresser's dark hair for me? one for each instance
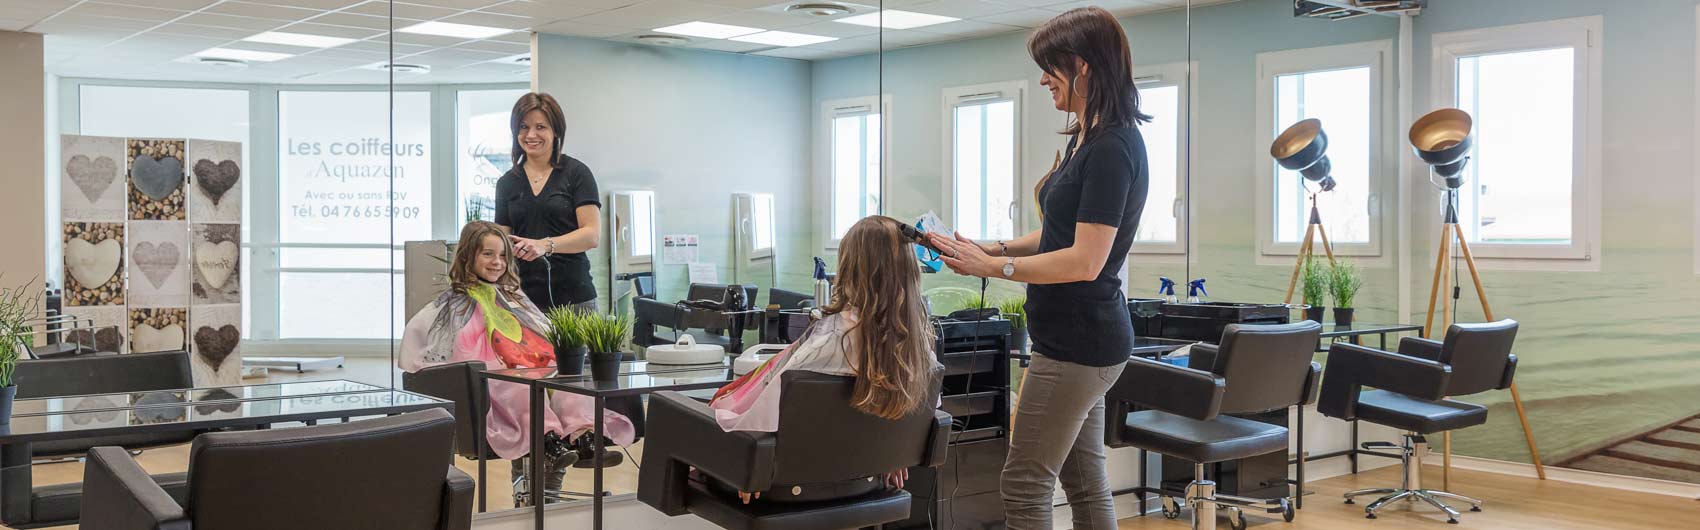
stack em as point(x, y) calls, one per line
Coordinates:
point(540, 101)
point(1093, 35)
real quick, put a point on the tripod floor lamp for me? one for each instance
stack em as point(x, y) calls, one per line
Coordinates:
point(1303, 147)
point(1442, 139)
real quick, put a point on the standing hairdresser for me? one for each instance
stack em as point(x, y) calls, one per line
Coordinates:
point(1089, 208)
point(550, 206)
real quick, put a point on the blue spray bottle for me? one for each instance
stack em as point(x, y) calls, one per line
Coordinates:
point(1195, 292)
point(1166, 288)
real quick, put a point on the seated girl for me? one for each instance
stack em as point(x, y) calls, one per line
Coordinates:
point(483, 316)
point(875, 329)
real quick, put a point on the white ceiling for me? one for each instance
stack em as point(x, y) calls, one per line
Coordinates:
point(147, 39)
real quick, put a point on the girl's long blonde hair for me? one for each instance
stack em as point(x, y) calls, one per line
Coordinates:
point(879, 279)
point(462, 273)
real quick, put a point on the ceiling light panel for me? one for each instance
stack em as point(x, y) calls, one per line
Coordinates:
point(894, 19)
point(298, 39)
point(708, 30)
point(784, 38)
point(450, 29)
point(243, 55)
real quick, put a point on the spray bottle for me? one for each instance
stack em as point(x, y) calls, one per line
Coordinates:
point(1166, 288)
point(1195, 292)
point(823, 288)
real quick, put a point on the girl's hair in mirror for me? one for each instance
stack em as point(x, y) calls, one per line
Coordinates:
point(463, 270)
point(879, 279)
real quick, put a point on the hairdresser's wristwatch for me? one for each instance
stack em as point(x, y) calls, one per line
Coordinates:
point(1009, 267)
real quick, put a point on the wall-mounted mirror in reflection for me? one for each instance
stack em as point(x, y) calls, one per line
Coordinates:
point(631, 249)
point(755, 260)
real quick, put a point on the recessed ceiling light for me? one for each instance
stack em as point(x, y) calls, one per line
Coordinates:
point(298, 39)
point(784, 38)
point(662, 40)
point(222, 62)
point(708, 30)
point(450, 29)
point(400, 68)
point(243, 55)
point(894, 19)
point(818, 10)
point(523, 59)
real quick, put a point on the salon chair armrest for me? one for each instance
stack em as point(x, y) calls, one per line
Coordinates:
point(938, 442)
point(682, 434)
point(1313, 384)
point(119, 495)
point(1510, 369)
point(1203, 357)
point(1352, 367)
point(458, 489)
point(1195, 394)
point(1420, 348)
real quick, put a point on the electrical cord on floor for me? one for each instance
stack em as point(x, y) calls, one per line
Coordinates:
point(961, 426)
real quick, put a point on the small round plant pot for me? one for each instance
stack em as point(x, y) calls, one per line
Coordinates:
point(570, 361)
point(6, 396)
point(1343, 316)
point(1315, 313)
point(604, 365)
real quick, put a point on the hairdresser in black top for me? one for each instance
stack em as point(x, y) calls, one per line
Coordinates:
point(1089, 208)
point(551, 208)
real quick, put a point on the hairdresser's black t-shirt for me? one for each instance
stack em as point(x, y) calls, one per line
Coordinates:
point(553, 212)
point(1102, 183)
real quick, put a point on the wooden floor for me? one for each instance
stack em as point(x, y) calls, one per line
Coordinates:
point(1508, 503)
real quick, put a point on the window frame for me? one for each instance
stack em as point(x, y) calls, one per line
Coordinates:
point(1372, 54)
point(1583, 35)
point(1161, 75)
point(980, 94)
point(829, 110)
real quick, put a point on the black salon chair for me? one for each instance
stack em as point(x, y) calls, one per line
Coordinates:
point(392, 473)
point(708, 327)
point(1412, 389)
point(89, 375)
point(783, 299)
point(1257, 368)
point(461, 383)
point(822, 470)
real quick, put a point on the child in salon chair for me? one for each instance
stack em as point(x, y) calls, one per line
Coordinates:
point(483, 316)
point(876, 329)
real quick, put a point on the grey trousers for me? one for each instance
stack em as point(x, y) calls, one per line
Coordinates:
point(1059, 434)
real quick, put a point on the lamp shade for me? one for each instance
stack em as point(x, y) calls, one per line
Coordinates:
point(1301, 145)
point(1442, 139)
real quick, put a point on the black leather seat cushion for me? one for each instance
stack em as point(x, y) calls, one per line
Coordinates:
point(61, 503)
point(728, 512)
point(1224, 438)
point(1417, 415)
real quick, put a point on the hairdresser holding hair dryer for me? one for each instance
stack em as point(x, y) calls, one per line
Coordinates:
point(1077, 316)
point(550, 207)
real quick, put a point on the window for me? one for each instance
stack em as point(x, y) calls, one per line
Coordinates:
point(1342, 86)
point(762, 218)
point(1531, 186)
point(633, 226)
point(1163, 95)
point(203, 113)
point(343, 215)
point(984, 124)
point(483, 149)
point(855, 140)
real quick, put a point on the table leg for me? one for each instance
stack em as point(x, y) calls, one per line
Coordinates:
point(1299, 497)
point(15, 484)
point(1352, 453)
point(1142, 483)
point(483, 485)
point(596, 480)
point(536, 452)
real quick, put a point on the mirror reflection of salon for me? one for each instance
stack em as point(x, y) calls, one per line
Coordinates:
point(631, 258)
point(754, 259)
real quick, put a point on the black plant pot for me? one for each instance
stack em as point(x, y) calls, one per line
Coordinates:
point(604, 365)
point(1315, 312)
point(570, 361)
point(1343, 316)
point(6, 395)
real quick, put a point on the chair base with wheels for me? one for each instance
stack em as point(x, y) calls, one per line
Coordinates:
point(1412, 452)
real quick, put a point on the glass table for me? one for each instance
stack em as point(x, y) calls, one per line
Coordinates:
point(1335, 332)
point(189, 410)
point(635, 378)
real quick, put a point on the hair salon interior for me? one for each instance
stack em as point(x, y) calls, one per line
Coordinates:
point(944, 264)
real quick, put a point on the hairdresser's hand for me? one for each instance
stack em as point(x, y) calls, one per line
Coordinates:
point(527, 249)
point(895, 479)
point(966, 257)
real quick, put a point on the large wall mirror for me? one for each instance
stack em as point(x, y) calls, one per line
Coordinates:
point(632, 248)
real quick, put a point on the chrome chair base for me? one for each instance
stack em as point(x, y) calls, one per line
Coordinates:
point(1412, 452)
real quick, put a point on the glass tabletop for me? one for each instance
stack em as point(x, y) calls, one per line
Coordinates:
point(526, 375)
point(228, 394)
point(1365, 328)
point(645, 383)
point(172, 410)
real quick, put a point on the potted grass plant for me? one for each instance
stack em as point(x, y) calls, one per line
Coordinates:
point(1013, 310)
point(1315, 284)
point(567, 334)
point(17, 306)
point(604, 336)
point(1344, 280)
